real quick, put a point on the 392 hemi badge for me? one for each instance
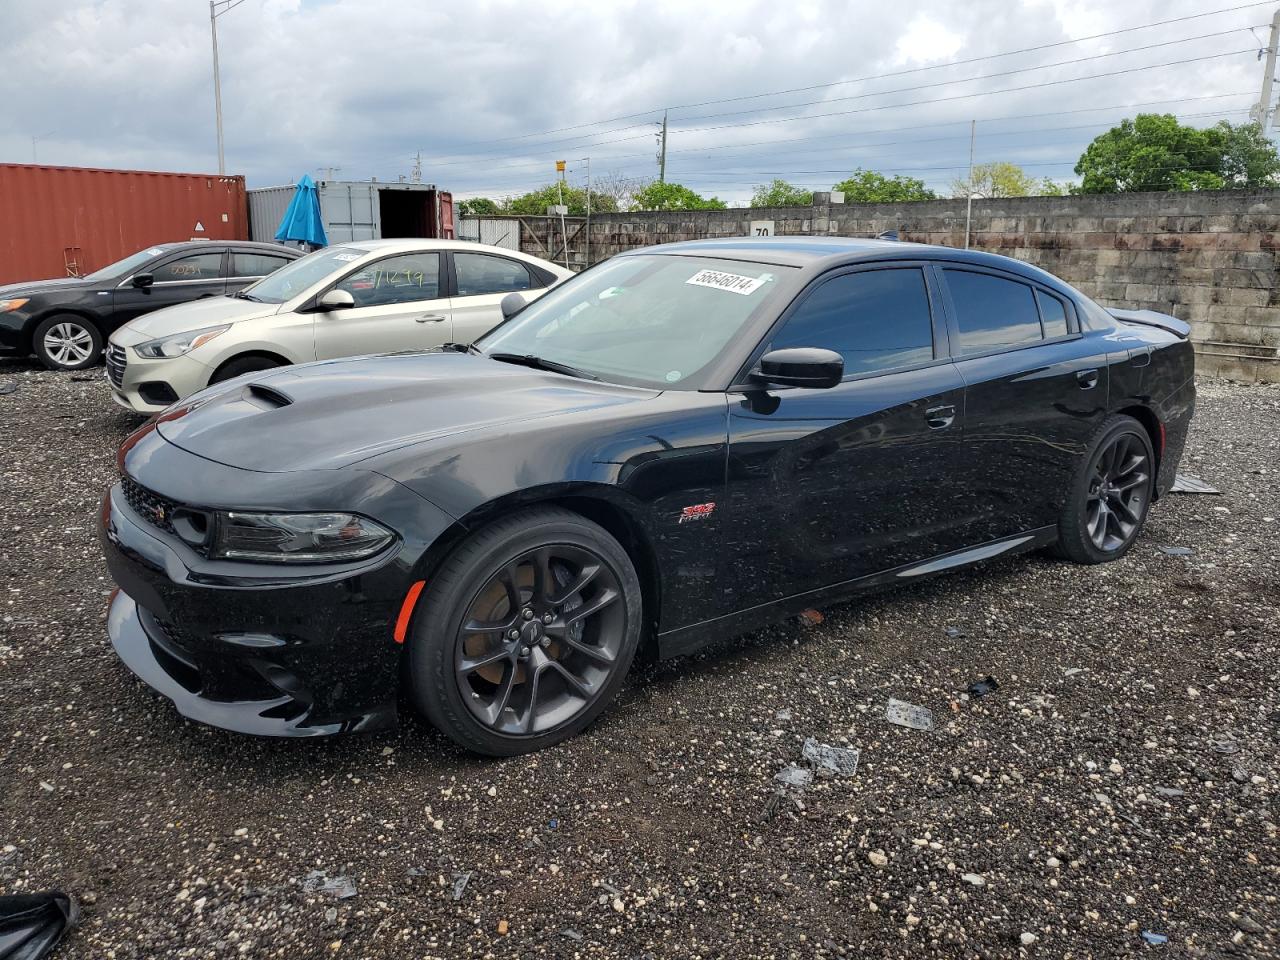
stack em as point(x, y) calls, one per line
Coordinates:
point(699, 511)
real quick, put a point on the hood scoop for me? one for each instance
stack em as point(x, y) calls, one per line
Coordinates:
point(266, 397)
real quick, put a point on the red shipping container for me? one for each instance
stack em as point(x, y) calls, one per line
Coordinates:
point(69, 221)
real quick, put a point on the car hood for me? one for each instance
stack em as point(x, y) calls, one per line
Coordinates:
point(209, 312)
point(33, 288)
point(335, 413)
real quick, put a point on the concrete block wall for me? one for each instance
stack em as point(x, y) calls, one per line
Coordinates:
point(1208, 258)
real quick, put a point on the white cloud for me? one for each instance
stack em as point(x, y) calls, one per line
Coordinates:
point(364, 85)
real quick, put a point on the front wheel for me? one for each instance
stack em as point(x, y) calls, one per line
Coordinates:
point(1110, 494)
point(526, 633)
point(67, 342)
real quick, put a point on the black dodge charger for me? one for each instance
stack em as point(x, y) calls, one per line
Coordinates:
point(65, 322)
point(682, 443)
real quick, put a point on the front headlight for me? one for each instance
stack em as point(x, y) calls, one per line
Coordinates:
point(13, 304)
point(297, 537)
point(179, 343)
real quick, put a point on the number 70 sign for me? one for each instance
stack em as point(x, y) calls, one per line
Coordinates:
point(761, 228)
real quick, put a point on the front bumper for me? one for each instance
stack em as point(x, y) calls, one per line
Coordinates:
point(149, 386)
point(261, 648)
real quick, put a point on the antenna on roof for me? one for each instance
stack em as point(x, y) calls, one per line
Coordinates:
point(887, 235)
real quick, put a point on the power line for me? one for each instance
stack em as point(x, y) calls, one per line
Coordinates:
point(836, 83)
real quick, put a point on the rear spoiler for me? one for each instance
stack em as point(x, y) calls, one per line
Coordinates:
point(1149, 318)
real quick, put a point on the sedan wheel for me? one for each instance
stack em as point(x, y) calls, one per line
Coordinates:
point(67, 343)
point(1110, 495)
point(526, 633)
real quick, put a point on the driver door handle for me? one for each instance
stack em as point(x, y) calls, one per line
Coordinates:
point(940, 418)
point(431, 318)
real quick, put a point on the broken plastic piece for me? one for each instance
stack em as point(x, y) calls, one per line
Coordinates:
point(1175, 551)
point(32, 924)
point(980, 688)
point(1186, 483)
point(954, 632)
point(460, 881)
point(842, 761)
point(909, 715)
point(341, 888)
point(8, 387)
point(798, 777)
point(1155, 939)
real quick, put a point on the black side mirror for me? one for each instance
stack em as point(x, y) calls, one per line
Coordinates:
point(143, 280)
point(511, 304)
point(801, 367)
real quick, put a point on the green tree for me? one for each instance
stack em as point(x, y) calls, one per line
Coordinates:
point(1155, 152)
point(535, 202)
point(478, 207)
point(1052, 188)
point(1249, 159)
point(998, 179)
point(779, 193)
point(673, 196)
point(868, 186)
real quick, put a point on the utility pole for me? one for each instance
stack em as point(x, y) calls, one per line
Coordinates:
point(968, 210)
point(662, 150)
point(588, 227)
point(216, 9)
point(416, 175)
point(1262, 110)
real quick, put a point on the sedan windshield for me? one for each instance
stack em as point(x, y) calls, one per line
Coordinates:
point(126, 266)
point(293, 278)
point(649, 320)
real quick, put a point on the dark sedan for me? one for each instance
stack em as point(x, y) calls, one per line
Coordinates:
point(682, 443)
point(66, 322)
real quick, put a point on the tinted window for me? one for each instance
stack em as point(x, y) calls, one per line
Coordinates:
point(201, 266)
point(402, 279)
point(479, 273)
point(991, 312)
point(255, 264)
point(876, 320)
point(1053, 315)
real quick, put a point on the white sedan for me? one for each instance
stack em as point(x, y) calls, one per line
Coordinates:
point(351, 299)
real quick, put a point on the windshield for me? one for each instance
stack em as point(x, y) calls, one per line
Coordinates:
point(650, 320)
point(293, 278)
point(127, 265)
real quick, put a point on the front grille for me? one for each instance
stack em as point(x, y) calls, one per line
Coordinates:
point(151, 507)
point(116, 360)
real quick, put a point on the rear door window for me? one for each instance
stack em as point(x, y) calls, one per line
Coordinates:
point(255, 264)
point(875, 319)
point(479, 273)
point(992, 313)
point(1053, 315)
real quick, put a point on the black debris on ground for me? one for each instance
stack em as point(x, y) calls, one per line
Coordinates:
point(1089, 802)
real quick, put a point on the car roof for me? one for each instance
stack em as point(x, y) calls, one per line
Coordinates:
point(241, 244)
point(410, 244)
point(817, 254)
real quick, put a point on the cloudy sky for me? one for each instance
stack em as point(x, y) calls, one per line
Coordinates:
point(493, 93)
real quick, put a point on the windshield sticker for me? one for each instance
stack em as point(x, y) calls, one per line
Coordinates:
point(155, 251)
point(673, 376)
point(731, 282)
point(346, 257)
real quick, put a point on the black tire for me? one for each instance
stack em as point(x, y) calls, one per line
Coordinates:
point(1110, 494)
point(455, 684)
point(66, 341)
point(239, 366)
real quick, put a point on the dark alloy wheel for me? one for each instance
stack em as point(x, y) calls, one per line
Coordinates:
point(526, 633)
point(1110, 496)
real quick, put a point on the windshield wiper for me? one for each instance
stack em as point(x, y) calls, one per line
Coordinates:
point(241, 295)
point(540, 363)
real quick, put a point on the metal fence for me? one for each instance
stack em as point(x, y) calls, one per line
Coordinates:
point(494, 232)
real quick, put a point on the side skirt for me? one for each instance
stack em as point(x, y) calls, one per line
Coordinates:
point(690, 639)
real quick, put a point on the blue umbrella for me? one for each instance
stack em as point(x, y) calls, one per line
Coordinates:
point(302, 221)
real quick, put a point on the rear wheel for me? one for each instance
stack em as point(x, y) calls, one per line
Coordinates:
point(67, 342)
point(240, 366)
point(1110, 495)
point(526, 633)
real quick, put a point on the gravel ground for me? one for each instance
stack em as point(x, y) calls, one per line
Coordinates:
point(1122, 779)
